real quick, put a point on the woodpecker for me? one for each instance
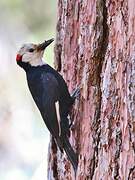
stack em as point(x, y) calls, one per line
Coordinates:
point(50, 93)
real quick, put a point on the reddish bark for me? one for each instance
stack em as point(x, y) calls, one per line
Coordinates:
point(95, 49)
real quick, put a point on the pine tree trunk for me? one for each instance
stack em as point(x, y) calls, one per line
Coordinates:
point(95, 48)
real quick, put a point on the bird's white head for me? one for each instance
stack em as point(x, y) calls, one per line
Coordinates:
point(32, 53)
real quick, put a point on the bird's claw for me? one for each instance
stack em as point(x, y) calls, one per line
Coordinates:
point(76, 93)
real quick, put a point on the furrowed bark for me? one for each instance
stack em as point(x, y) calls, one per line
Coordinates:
point(95, 49)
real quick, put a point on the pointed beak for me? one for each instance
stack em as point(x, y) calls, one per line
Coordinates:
point(43, 45)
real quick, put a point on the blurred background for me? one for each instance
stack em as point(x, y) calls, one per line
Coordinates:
point(24, 138)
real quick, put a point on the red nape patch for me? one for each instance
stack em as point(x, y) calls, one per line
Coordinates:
point(18, 57)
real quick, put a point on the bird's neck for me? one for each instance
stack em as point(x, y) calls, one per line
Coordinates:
point(37, 62)
point(27, 66)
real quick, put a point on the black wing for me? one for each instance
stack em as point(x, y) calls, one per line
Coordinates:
point(50, 97)
point(46, 94)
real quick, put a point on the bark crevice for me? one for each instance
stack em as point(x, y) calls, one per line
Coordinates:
point(100, 55)
point(117, 152)
point(131, 173)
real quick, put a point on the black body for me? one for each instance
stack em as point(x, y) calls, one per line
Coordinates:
point(47, 87)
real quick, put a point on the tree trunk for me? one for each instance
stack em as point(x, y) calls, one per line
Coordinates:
point(95, 48)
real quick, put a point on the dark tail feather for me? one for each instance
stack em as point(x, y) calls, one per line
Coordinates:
point(70, 153)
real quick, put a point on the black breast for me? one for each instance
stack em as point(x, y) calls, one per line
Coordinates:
point(35, 85)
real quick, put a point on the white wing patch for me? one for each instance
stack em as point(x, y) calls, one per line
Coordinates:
point(58, 115)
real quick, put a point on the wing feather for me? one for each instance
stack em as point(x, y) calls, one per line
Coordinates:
point(49, 96)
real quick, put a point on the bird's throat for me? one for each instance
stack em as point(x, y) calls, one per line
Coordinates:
point(37, 62)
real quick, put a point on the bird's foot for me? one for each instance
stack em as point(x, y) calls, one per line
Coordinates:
point(76, 93)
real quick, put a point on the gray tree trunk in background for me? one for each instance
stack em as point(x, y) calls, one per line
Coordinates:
point(95, 48)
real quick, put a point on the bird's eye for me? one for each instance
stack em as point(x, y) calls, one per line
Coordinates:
point(31, 50)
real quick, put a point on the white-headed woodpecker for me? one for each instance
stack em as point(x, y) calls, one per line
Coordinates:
point(50, 94)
